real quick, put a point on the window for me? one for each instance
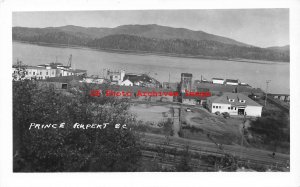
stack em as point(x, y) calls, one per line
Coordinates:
point(47, 73)
point(33, 73)
point(213, 106)
point(228, 108)
point(40, 73)
point(64, 86)
point(242, 101)
point(234, 108)
point(52, 72)
point(30, 72)
point(231, 100)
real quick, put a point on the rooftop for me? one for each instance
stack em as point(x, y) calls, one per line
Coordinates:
point(224, 99)
point(35, 67)
point(77, 70)
point(186, 75)
point(232, 80)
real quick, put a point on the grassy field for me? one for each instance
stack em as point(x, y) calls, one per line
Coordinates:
point(149, 112)
point(198, 124)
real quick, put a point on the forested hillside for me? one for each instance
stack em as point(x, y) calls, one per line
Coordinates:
point(159, 40)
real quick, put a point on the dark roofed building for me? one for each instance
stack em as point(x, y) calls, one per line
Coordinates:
point(232, 82)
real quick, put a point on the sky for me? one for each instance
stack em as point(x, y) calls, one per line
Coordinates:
point(258, 27)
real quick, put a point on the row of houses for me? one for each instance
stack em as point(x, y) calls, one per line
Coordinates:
point(124, 79)
point(225, 81)
point(232, 102)
point(222, 81)
point(44, 71)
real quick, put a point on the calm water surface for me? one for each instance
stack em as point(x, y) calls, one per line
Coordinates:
point(159, 67)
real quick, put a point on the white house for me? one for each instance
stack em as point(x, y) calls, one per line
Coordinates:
point(116, 77)
point(218, 81)
point(232, 82)
point(127, 83)
point(234, 104)
point(94, 80)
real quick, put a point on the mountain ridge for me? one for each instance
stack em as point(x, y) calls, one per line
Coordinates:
point(152, 38)
point(148, 31)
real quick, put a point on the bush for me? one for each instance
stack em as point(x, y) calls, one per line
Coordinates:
point(273, 130)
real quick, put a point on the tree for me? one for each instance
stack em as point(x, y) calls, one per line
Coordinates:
point(68, 148)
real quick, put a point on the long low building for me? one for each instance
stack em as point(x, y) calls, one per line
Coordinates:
point(45, 71)
point(234, 104)
point(218, 81)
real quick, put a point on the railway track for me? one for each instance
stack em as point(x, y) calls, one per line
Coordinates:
point(171, 161)
point(243, 155)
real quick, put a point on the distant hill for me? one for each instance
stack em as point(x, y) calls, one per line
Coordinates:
point(150, 31)
point(149, 38)
point(204, 48)
point(280, 48)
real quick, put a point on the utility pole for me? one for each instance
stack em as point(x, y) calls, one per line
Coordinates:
point(267, 86)
point(169, 81)
point(242, 141)
point(243, 132)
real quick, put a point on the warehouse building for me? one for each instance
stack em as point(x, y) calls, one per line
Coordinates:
point(234, 104)
point(218, 81)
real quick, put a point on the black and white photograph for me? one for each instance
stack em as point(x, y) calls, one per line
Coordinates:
point(123, 91)
point(165, 96)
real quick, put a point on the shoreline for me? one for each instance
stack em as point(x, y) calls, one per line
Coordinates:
point(147, 53)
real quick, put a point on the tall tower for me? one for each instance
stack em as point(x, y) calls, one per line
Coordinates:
point(122, 74)
point(186, 82)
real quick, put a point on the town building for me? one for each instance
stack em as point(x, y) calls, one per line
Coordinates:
point(234, 104)
point(45, 71)
point(142, 80)
point(186, 82)
point(93, 80)
point(192, 99)
point(232, 82)
point(116, 77)
point(127, 82)
point(218, 81)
